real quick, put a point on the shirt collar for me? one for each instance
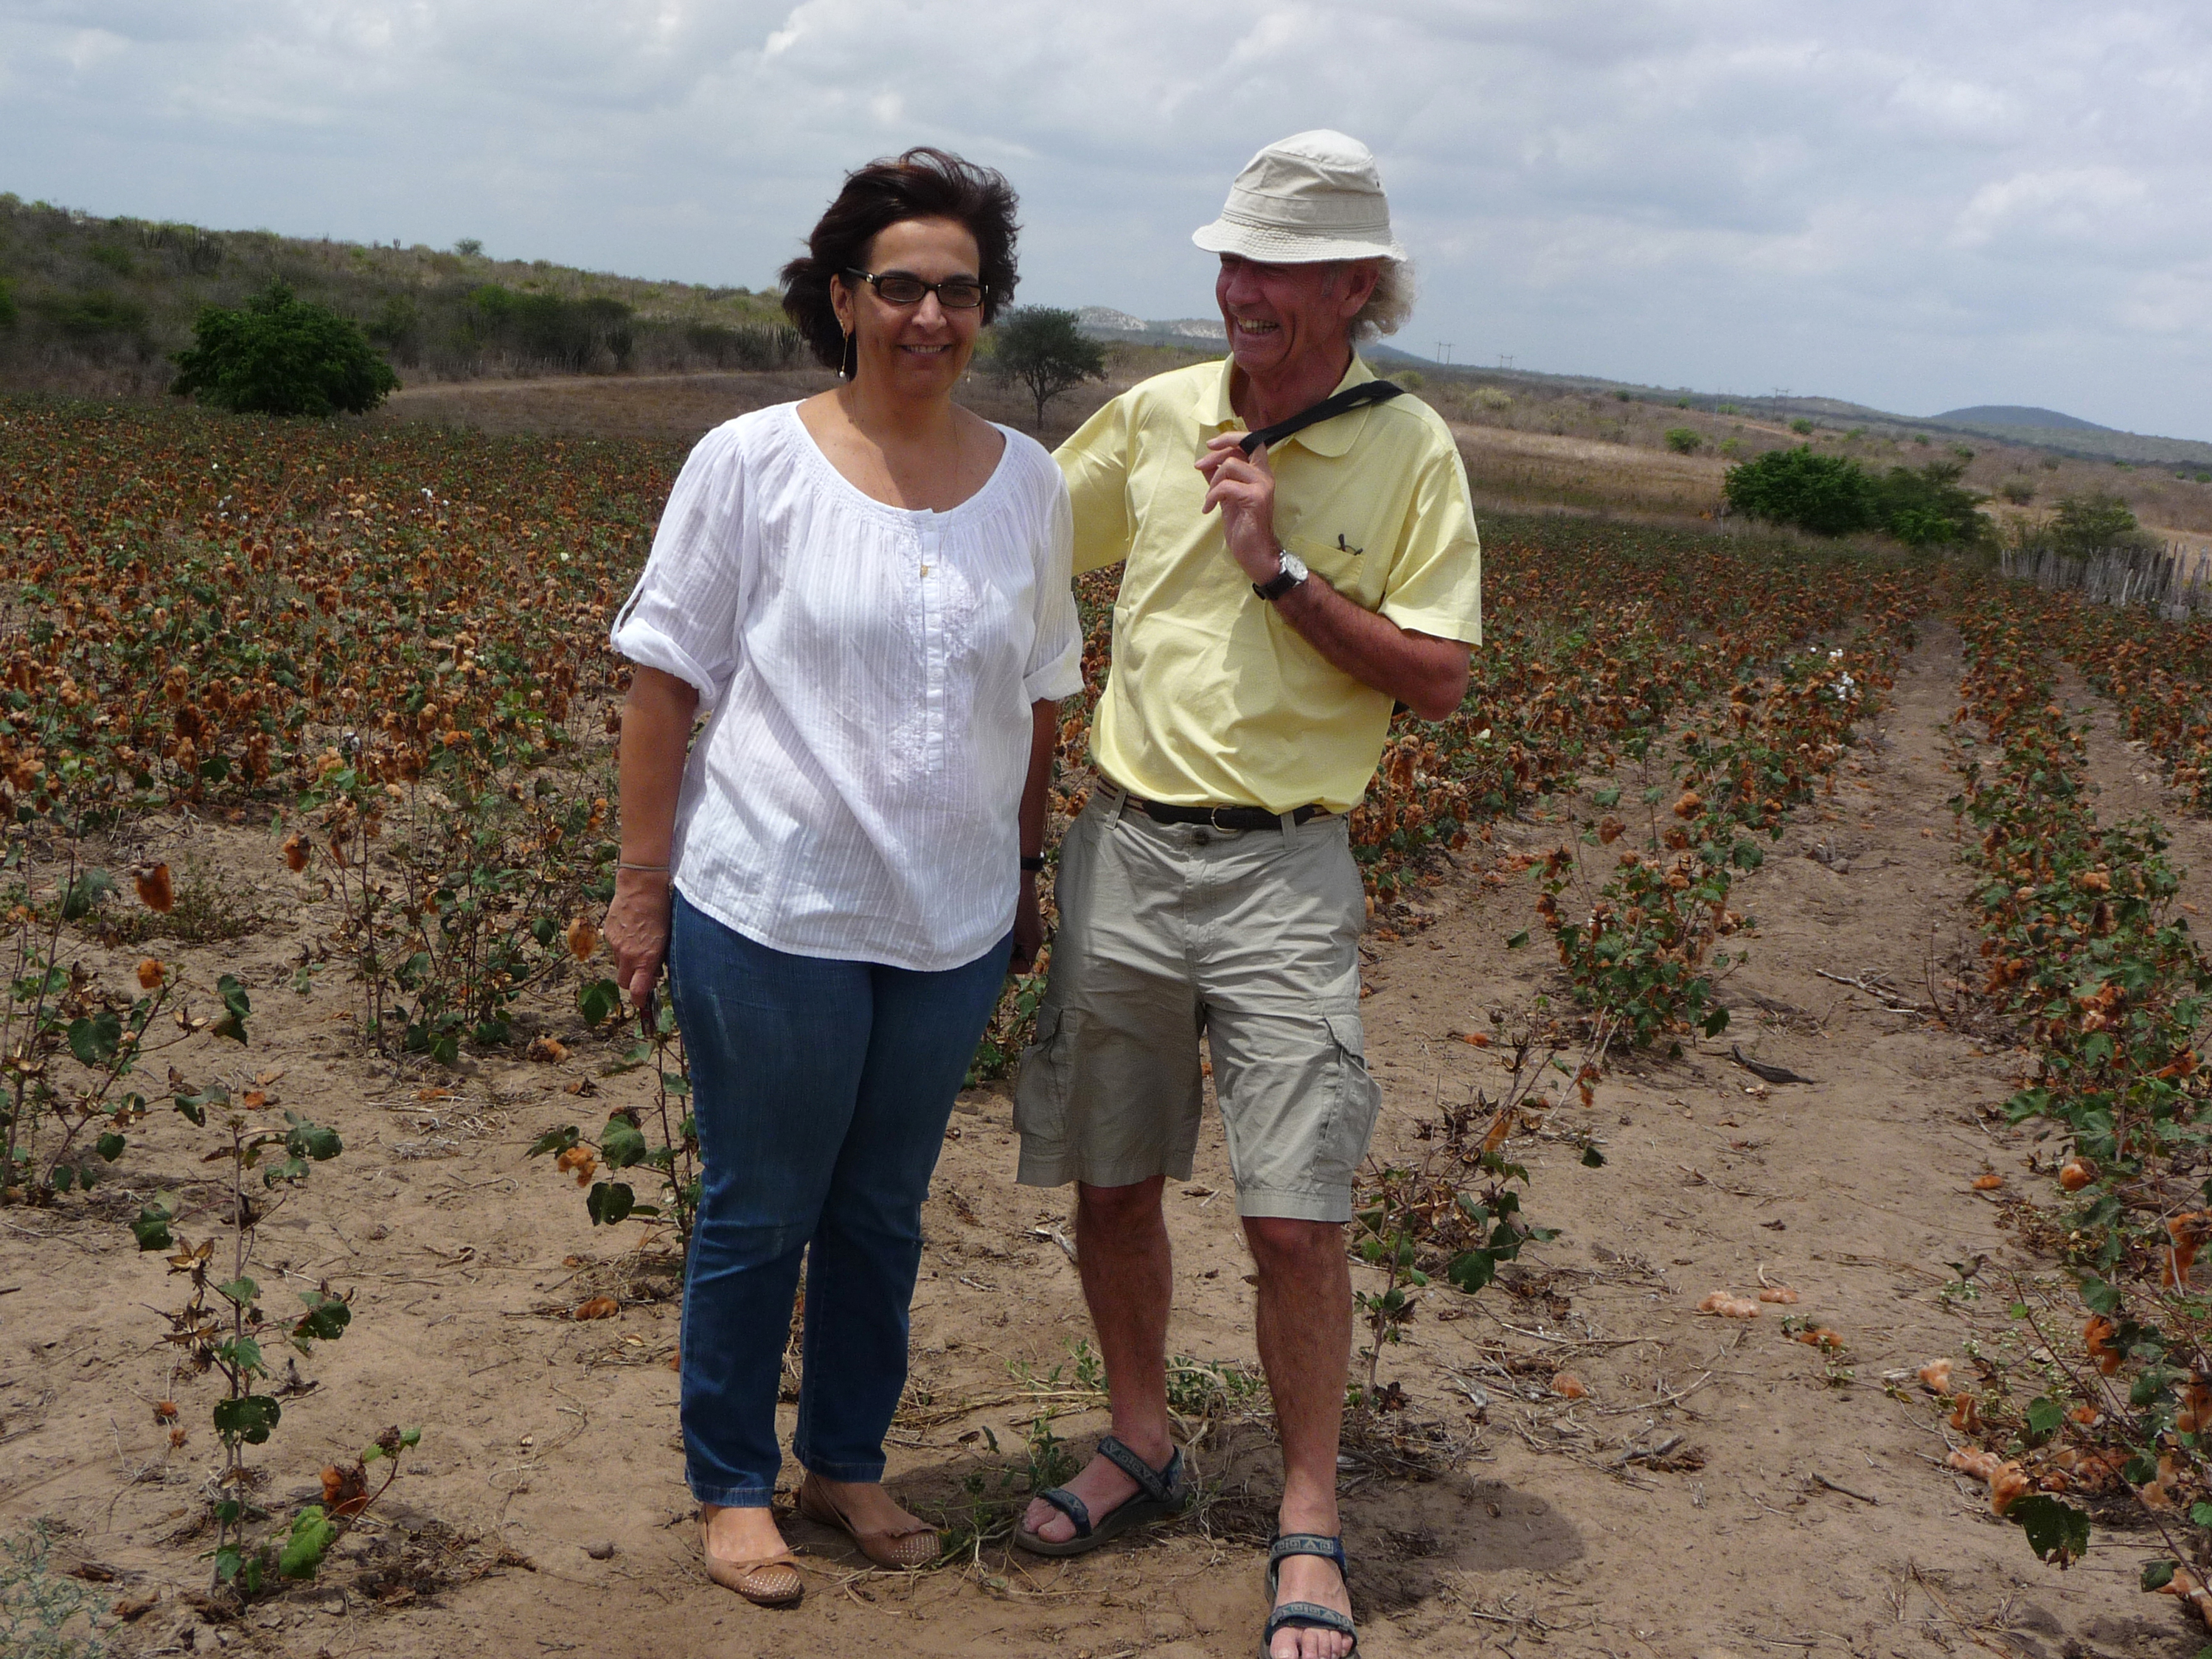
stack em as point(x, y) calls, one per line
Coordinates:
point(1330, 438)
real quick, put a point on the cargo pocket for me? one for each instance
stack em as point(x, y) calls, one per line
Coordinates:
point(1355, 1100)
point(1042, 1087)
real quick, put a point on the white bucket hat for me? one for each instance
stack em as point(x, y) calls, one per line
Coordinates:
point(1311, 197)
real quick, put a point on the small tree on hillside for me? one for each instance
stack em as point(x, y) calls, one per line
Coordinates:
point(281, 355)
point(1046, 352)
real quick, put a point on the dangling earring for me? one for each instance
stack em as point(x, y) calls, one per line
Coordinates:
point(849, 364)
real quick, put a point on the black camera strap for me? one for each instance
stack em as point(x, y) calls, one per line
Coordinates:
point(1341, 403)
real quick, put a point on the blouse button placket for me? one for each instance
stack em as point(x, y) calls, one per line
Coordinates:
point(933, 647)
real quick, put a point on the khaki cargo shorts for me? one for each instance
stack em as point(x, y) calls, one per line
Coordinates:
point(1168, 932)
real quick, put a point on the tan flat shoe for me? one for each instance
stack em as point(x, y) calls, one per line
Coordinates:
point(916, 1546)
point(771, 1582)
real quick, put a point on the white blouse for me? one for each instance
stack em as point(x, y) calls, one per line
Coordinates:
point(869, 670)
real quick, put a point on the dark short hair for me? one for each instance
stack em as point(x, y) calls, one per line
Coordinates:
point(922, 184)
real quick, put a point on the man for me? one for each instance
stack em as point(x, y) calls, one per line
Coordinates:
point(1273, 606)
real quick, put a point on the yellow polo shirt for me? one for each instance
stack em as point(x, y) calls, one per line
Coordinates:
point(1213, 699)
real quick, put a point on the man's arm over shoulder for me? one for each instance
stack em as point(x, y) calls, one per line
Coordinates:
point(1096, 462)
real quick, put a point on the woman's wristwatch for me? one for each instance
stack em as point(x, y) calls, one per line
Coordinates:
point(1032, 863)
point(1292, 573)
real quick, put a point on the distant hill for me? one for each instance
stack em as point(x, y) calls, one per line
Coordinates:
point(91, 305)
point(2015, 415)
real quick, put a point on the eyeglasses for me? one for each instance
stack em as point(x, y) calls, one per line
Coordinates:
point(903, 288)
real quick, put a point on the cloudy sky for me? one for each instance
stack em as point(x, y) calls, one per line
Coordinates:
point(1916, 206)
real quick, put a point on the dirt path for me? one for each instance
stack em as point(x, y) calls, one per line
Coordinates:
point(1800, 1512)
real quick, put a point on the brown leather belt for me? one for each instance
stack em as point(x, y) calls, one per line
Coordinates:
point(1216, 817)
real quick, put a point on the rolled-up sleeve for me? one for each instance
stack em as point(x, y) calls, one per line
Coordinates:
point(682, 617)
point(1055, 669)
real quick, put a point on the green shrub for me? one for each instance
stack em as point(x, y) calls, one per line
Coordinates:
point(2204, 478)
point(1624, 396)
point(281, 355)
point(1731, 448)
point(1802, 427)
point(88, 315)
point(567, 333)
point(1962, 452)
point(1929, 508)
point(117, 259)
point(2019, 491)
point(2095, 522)
point(468, 247)
point(1827, 494)
point(1684, 441)
point(7, 304)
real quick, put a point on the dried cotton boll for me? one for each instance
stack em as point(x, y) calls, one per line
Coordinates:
point(1966, 1415)
point(1988, 1183)
point(2190, 1590)
point(155, 891)
point(295, 852)
point(583, 938)
point(151, 973)
point(2097, 1336)
point(1728, 1307)
point(2073, 1175)
point(2009, 1484)
point(1971, 1460)
point(1781, 1294)
point(1568, 1386)
point(580, 1161)
point(599, 1307)
point(1936, 1375)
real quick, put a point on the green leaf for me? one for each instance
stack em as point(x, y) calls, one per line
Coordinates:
point(2045, 1416)
point(236, 1007)
point(598, 1000)
point(151, 1229)
point(95, 1039)
point(110, 1145)
point(2200, 1513)
point(325, 1320)
point(1606, 797)
point(194, 1107)
point(609, 1201)
point(2055, 1531)
point(249, 1418)
point(85, 893)
point(1517, 940)
point(2100, 1296)
point(1473, 1270)
point(243, 1354)
point(1716, 1022)
point(242, 1290)
point(1593, 1159)
point(554, 1141)
point(312, 1532)
point(621, 1144)
point(306, 1139)
point(2157, 1575)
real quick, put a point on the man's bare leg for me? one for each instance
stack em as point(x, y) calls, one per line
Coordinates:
point(1128, 1280)
point(1306, 1346)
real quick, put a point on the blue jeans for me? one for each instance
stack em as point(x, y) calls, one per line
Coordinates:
point(822, 1088)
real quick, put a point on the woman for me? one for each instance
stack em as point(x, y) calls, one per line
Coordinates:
point(869, 590)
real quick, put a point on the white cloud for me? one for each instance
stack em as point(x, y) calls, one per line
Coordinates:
point(1917, 206)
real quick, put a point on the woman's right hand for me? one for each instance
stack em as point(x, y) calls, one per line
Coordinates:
point(637, 930)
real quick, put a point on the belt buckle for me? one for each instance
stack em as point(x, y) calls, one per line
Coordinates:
point(1214, 821)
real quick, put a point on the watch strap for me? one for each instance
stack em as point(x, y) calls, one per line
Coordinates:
point(1282, 582)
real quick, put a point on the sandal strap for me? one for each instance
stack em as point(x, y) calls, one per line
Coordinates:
point(1310, 1615)
point(1071, 1506)
point(1163, 1485)
point(1304, 1543)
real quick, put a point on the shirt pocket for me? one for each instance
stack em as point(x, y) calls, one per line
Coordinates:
point(1350, 568)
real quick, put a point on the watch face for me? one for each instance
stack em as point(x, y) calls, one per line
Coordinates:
point(1294, 566)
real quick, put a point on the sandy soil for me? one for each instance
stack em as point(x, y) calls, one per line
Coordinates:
point(1789, 1504)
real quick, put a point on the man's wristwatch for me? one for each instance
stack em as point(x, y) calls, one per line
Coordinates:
point(1292, 573)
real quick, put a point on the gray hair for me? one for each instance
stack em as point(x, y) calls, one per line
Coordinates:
point(1390, 304)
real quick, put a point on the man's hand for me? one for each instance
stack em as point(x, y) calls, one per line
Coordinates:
point(1243, 487)
point(637, 930)
point(1028, 926)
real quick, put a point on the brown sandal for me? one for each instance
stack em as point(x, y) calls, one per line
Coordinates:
point(771, 1582)
point(917, 1546)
